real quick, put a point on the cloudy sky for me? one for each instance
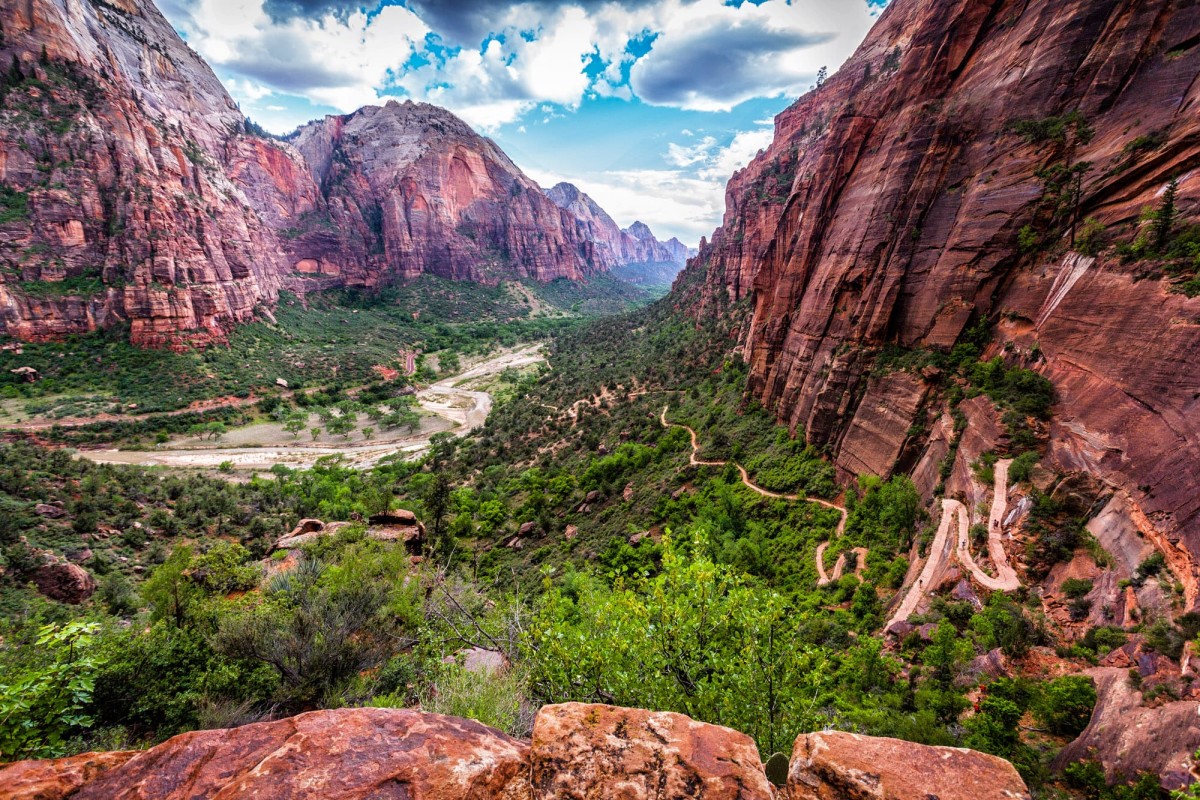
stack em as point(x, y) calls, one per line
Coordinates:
point(647, 105)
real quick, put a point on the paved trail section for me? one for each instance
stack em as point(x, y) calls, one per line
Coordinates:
point(839, 567)
point(459, 409)
point(696, 461)
point(942, 551)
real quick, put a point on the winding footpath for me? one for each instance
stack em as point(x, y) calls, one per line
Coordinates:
point(696, 461)
point(839, 567)
point(941, 551)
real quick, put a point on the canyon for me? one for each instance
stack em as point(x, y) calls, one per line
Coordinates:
point(137, 194)
point(910, 199)
point(962, 196)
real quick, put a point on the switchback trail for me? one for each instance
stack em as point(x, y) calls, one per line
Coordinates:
point(839, 566)
point(941, 552)
point(696, 461)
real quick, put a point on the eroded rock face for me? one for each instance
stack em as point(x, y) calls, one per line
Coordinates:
point(579, 751)
point(349, 754)
point(412, 189)
point(137, 219)
point(146, 200)
point(57, 778)
point(1127, 737)
point(845, 766)
point(888, 211)
point(584, 752)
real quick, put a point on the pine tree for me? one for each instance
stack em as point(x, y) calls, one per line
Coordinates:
point(1164, 218)
point(822, 74)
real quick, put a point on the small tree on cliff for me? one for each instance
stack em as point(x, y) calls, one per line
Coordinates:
point(1164, 217)
point(437, 504)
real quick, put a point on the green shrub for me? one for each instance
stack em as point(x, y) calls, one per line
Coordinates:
point(1075, 588)
point(1066, 704)
point(1021, 468)
point(1091, 237)
point(14, 204)
point(41, 706)
point(497, 699)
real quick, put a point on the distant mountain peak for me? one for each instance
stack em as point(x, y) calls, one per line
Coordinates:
point(640, 230)
point(633, 245)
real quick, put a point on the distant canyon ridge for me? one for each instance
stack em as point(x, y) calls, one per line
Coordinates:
point(133, 190)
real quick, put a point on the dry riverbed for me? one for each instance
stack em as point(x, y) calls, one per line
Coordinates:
point(454, 404)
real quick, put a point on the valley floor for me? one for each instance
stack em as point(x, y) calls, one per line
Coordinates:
point(455, 404)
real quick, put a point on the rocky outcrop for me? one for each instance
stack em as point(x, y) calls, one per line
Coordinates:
point(63, 581)
point(889, 212)
point(582, 751)
point(1126, 736)
point(579, 751)
point(58, 778)
point(399, 525)
point(351, 754)
point(633, 245)
point(845, 766)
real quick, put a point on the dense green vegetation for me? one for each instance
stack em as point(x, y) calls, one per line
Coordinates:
point(642, 580)
point(336, 338)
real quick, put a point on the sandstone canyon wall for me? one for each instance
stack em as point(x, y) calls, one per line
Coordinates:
point(410, 188)
point(115, 146)
point(896, 207)
point(132, 192)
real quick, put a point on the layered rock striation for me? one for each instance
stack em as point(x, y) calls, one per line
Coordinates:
point(118, 205)
point(409, 189)
point(933, 183)
point(133, 191)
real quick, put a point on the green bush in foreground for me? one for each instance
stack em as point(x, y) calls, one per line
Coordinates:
point(48, 702)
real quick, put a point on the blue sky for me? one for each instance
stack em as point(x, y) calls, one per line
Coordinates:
point(647, 105)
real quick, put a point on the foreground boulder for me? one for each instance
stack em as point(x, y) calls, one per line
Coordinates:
point(579, 752)
point(347, 754)
point(59, 777)
point(845, 766)
point(587, 752)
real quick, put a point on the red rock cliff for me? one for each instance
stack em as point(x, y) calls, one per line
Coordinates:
point(131, 192)
point(115, 141)
point(410, 188)
point(889, 210)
